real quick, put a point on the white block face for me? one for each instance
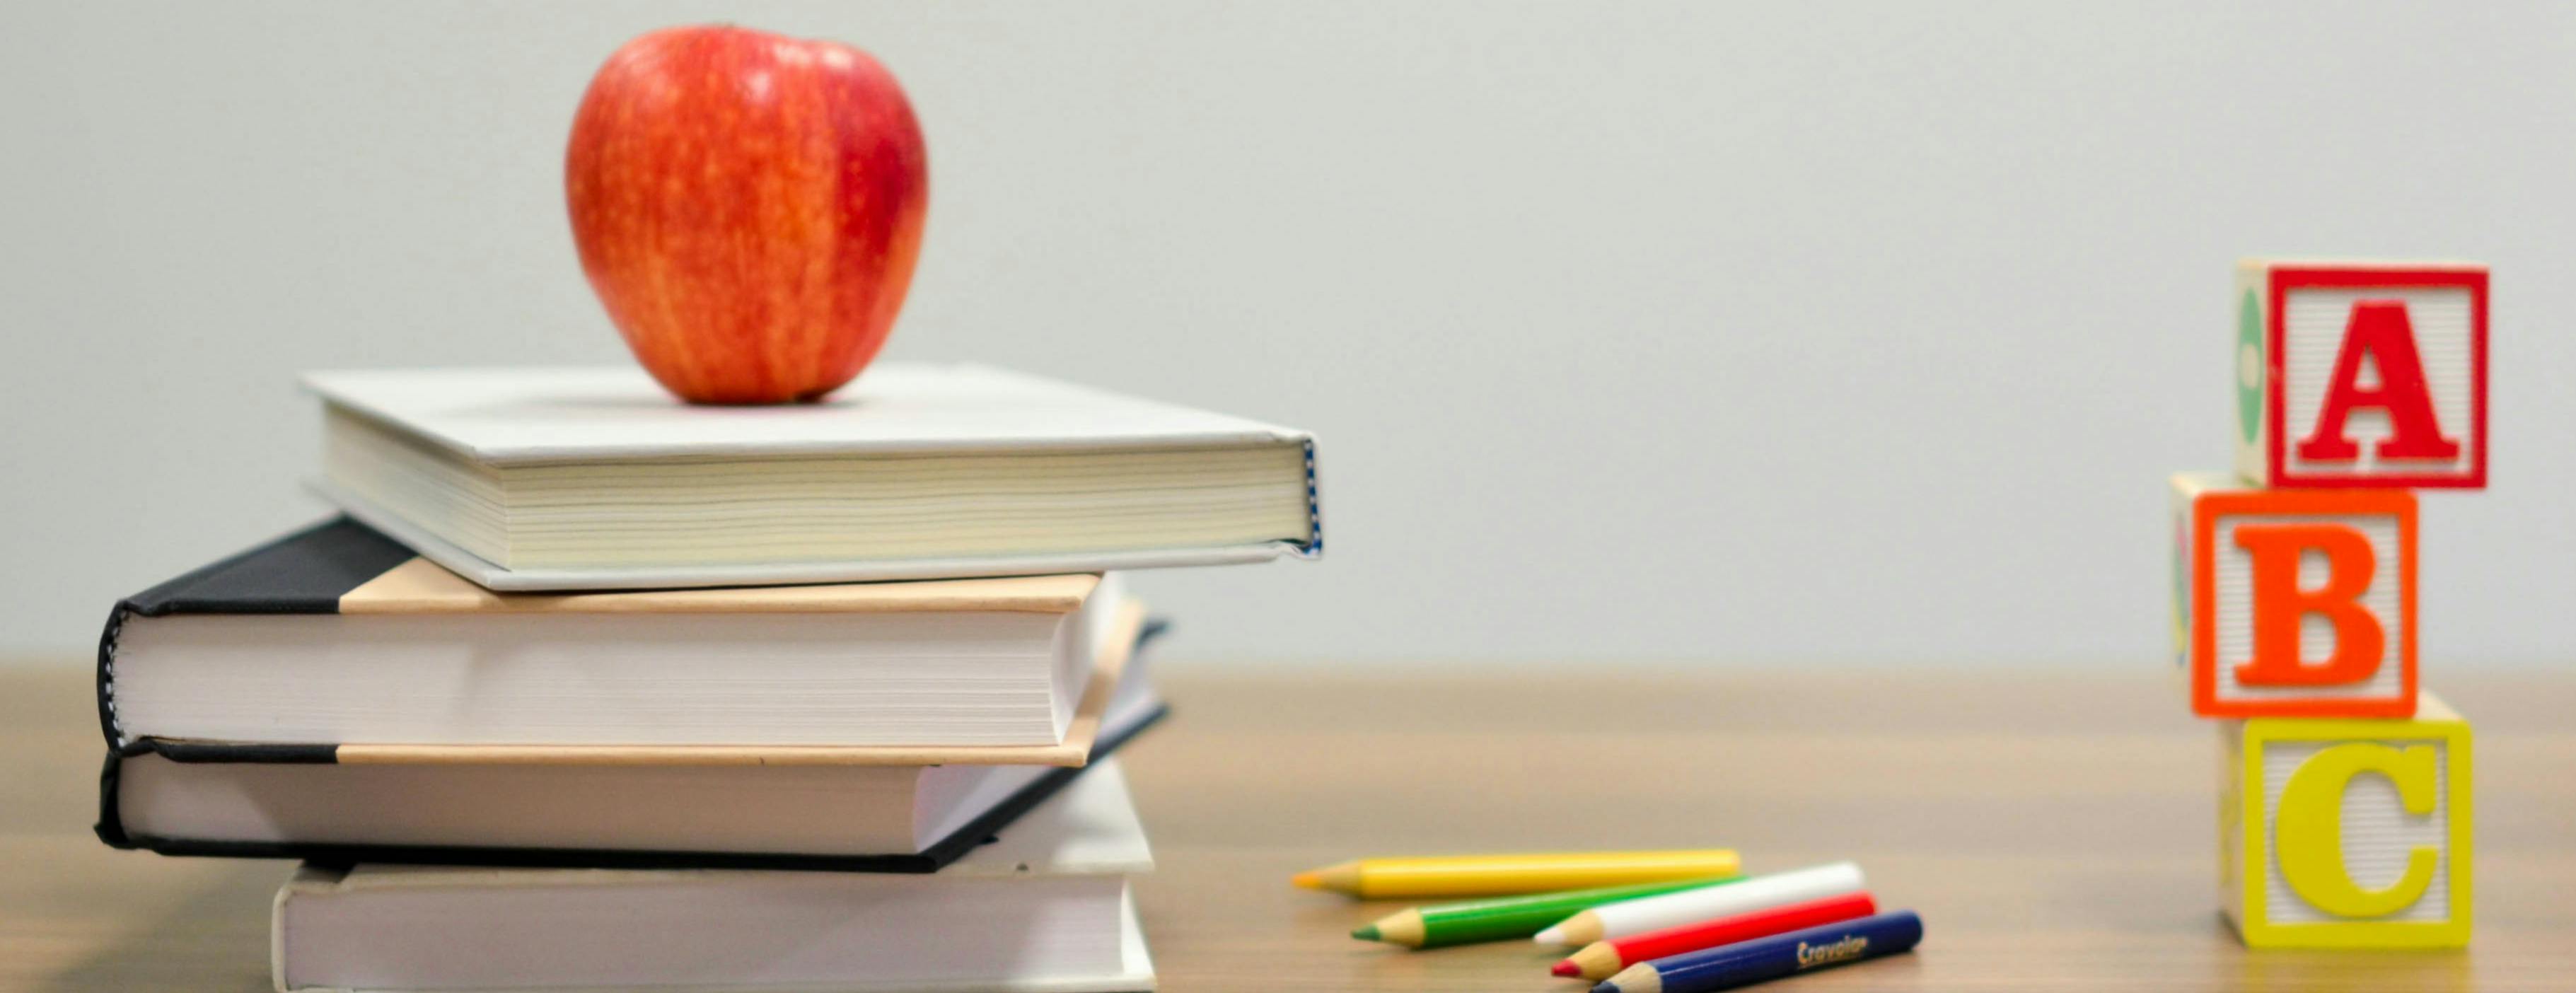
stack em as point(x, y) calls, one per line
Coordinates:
point(2182, 581)
point(2231, 814)
point(2233, 579)
point(2379, 836)
point(2314, 321)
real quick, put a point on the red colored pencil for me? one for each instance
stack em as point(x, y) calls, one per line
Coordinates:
point(1600, 959)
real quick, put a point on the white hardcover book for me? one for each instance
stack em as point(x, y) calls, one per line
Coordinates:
point(340, 639)
point(541, 479)
point(1046, 909)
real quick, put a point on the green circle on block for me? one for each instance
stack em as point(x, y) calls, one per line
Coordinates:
point(2249, 367)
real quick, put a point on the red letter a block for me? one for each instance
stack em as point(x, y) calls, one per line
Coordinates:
point(2297, 603)
point(2362, 374)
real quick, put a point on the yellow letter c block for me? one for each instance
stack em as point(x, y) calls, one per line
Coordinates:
point(2310, 827)
point(2309, 841)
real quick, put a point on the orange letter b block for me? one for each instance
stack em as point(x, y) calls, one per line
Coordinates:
point(2295, 603)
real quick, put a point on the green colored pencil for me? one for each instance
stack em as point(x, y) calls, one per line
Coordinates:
point(1506, 918)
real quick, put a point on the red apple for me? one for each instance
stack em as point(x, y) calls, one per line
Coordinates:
point(748, 207)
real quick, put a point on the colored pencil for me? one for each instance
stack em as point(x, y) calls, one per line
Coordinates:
point(1747, 962)
point(1503, 918)
point(1504, 875)
point(1654, 913)
point(1600, 959)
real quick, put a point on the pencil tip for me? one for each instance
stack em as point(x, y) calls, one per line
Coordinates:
point(1308, 880)
point(1566, 969)
point(1551, 936)
point(1606, 986)
point(1365, 932)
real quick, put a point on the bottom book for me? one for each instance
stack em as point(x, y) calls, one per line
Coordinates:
point(1046, 908)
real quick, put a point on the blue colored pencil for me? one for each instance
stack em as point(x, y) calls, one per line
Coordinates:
point(1747, 962)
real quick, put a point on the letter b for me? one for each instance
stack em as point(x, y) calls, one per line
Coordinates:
point(2281, 605)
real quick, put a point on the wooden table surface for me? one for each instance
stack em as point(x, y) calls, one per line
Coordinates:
point(2056, 832)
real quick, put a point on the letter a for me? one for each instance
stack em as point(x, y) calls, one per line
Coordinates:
point(2381, 330)
point(2280, 604)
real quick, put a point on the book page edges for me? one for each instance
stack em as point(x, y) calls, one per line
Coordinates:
point(307, 879)
point(492, 576)
point(1118, 643)
point(421, 586)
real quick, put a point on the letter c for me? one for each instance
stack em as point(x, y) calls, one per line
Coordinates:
point(2308, 833)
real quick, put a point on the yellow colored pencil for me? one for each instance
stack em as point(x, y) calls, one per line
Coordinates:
point(1503, 875)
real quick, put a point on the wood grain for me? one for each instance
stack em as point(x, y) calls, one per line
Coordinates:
point(2056, 832)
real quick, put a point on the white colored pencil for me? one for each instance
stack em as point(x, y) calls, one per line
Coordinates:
point(1627, 917)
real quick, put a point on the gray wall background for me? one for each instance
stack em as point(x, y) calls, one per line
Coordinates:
point(1814, 333)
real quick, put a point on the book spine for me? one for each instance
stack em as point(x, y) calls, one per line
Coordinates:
point(1314, 547)
point(107, 639)
point(111, 826)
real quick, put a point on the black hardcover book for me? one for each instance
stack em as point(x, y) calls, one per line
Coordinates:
point(341, 603)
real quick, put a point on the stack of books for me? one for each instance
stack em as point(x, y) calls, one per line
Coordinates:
point(592, 689)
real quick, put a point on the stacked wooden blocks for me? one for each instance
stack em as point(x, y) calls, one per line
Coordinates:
point(2345, 793)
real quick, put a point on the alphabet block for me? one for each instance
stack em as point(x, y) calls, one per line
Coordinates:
point(2346, 833)
point(2294, 603)
point(2362, 374)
